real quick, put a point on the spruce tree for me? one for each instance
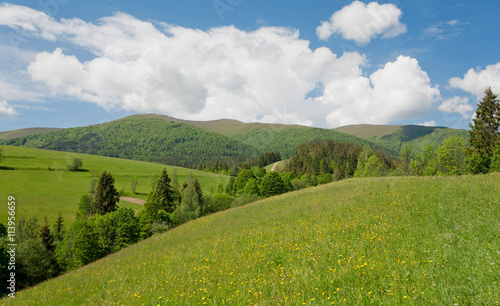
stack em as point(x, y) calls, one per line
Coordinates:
point(165, 193)
point(59, 228)
point(46, 237)
point(485, 130)
point(106, 196)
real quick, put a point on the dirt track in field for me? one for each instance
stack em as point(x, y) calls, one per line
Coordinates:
point(132, 200)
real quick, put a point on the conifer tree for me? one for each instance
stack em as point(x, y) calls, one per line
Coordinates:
point(485, 130)
point(106, 196)
point(162, 197)
point(192, 200)
point(165, 193)
point(59, 228)
point(46, 237)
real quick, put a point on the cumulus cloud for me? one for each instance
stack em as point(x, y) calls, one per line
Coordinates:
point(458, 105)
point(6, 111)
point(400, 89)
point(361, 22)
point(428, 123)
point(476, 81)
point(264, 75)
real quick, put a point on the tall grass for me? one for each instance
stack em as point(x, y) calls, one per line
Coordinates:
point(387, 241)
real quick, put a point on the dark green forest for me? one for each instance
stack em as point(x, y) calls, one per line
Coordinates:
point(152, 140)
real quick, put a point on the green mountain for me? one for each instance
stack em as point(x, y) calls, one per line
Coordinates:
point(383, 241)
point(267, 137)
point(395, 137)
point(151, 139)
point(173, 141)
point(25, 132)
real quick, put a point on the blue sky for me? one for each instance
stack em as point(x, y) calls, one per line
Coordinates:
point(68, 63)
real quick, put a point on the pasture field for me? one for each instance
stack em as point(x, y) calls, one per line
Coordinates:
point(43, 187)
point(382, 241)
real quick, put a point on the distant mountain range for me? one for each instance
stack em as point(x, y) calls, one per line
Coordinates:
point(185, 143)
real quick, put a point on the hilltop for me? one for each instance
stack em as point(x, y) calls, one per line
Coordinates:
point(25, 132)
point(377, 241)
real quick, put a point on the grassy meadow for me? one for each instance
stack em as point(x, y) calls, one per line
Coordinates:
point(382, 241)
point(43, 187)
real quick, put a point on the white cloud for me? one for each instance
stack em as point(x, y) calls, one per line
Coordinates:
point(458, 105)
point(263, 75)
point(6, 111)
point(476, 81)
point(361, 22)
point(428, 123)
point(399, 90)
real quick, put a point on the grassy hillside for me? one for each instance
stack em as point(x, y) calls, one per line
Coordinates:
point(395, 137)
point(25, 132)
point(226, 126)
point(147, 139)
point(266, 137)
point(287, 141)
point(390, 241)
point(43, 187)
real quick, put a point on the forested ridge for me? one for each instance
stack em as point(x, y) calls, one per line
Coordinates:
point(152, 140)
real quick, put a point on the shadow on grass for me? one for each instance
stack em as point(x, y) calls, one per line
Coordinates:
point(80, 170)
point(7, 168)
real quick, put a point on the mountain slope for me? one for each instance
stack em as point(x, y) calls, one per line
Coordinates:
point(268, 137)
point(225, 126)
point(150, 139)
point(389, 241)
point(395, 137)
point(25, 132)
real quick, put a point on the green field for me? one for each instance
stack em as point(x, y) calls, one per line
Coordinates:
point(43, 187)
point(382, 241)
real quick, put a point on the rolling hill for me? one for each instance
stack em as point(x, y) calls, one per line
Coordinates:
point(43, 187)
point(25, 132)
point(146, 139)
point(389, 241)
point(267, 137)
point(173, 141)
point(395, 137)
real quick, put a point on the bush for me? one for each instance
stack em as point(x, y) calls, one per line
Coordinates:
point(325, 179)
point(219, 202)
point(476, 164)
point(272, 184)
point(75, 165)
point(495, 160)
point(244, 200)
point(299, 184)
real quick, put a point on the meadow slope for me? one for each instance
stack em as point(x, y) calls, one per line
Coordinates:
point(43, 187)
point(389, 241)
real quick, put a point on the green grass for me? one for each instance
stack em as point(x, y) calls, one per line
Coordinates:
point(42, 192)
point(382, 241)
point(366, 131)
point(279, 167)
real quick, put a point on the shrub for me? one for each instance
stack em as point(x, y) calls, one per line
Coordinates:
point(495, 160)
point(219, 202)
point(75, 165)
